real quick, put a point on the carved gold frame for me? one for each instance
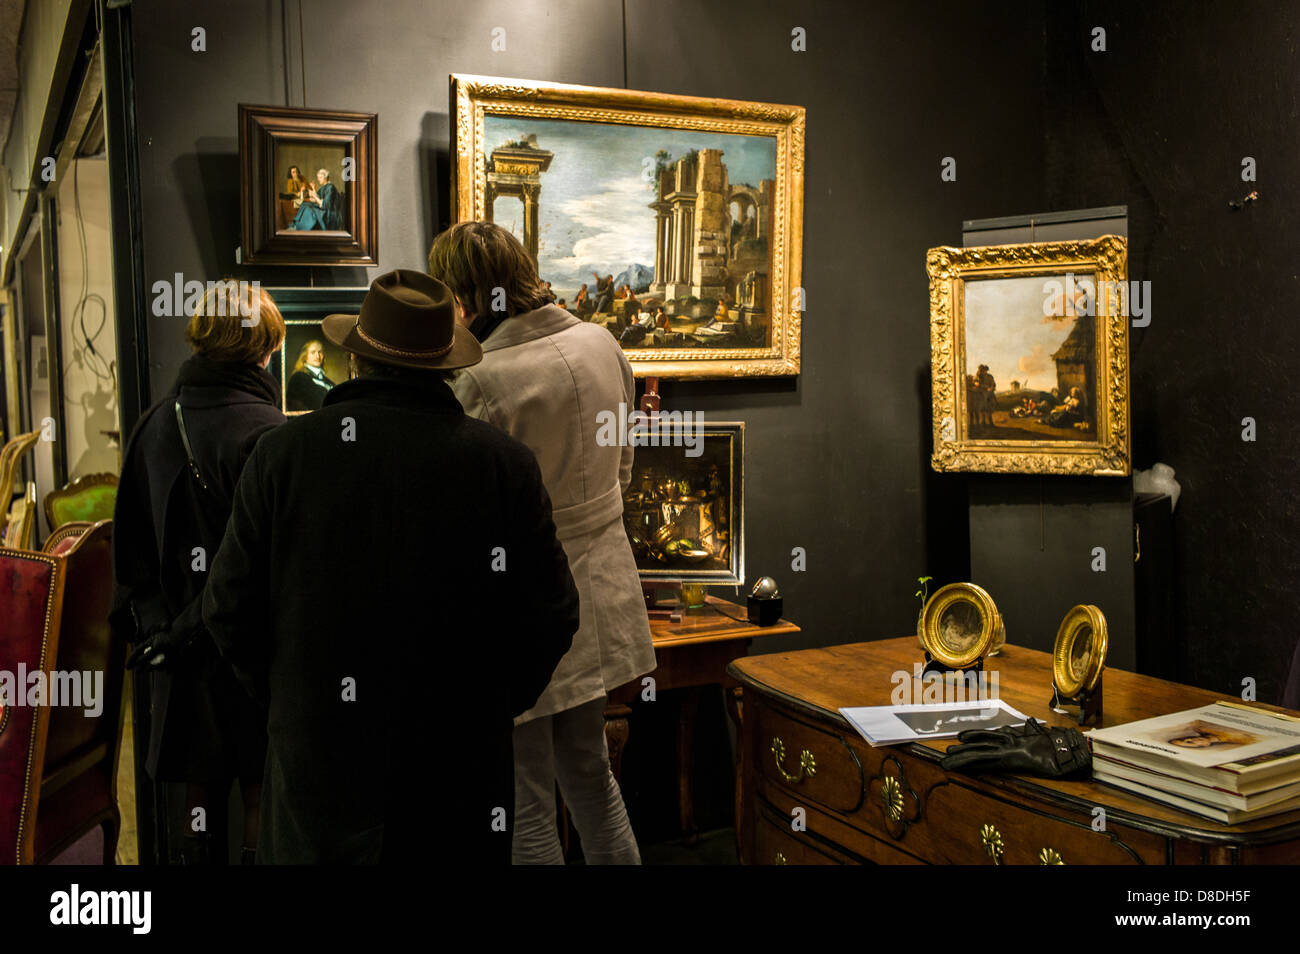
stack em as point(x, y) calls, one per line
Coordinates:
point(1081, 620)
point(932, 616)
point(474, 97)
point(949, 269)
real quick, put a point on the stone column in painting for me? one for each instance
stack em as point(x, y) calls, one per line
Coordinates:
point(531, 193)
point(662, 237)
point(711, 225)
point(516, 169)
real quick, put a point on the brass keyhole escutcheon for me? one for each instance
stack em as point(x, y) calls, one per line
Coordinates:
point(991, 839)
point(807, 764)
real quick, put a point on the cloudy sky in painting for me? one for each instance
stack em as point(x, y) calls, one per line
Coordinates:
point(1007, 330)
point(595, 210)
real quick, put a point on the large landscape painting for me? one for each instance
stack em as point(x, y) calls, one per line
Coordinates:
point(1029, 357)
point(1030, 360)
point(672, 222)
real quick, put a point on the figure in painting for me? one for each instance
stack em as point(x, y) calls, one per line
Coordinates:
point(1069, 413)
point(286, 206)
point(322, 206)
point(604, 292)
point(308, 384)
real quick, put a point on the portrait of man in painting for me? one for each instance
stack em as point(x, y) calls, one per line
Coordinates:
point(1030, 359)
point(308, 367)
point(659, 235)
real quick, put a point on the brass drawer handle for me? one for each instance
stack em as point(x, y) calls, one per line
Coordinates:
point(807, 764)
point(1050, 856)
point(991, 839)
point(891, 796)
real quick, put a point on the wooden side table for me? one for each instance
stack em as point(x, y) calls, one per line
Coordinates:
point(691, 654)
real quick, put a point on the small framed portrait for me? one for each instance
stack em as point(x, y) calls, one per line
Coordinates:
point(308, 186)
point(1029, 357)
point(308, 366)
point(684, 508)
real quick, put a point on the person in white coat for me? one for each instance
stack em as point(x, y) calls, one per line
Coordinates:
point(545, 378)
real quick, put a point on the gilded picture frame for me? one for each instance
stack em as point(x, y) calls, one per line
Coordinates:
point(960, 625)
point(1050, 319)
point(700, 201)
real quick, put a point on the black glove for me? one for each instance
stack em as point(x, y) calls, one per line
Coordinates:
point(166, 649)
point(1029, 749)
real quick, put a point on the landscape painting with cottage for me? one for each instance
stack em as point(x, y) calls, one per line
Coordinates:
point(1030, 359)
point(660, 235)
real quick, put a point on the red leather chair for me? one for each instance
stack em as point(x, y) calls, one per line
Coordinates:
point(57, 764)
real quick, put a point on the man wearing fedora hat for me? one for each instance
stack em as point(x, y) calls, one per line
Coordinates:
point(391, 586)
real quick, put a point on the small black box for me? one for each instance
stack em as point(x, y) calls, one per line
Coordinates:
point(764, 612)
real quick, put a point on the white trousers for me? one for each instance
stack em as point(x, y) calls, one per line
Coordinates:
point(569, 747)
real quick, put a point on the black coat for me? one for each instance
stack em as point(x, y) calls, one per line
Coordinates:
point(200, 727)
point(304, 394)
point(355, 591)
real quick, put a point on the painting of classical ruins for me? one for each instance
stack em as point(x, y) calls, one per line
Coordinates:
point(674, 237)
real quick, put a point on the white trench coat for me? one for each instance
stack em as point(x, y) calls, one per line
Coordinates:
point(544, 378)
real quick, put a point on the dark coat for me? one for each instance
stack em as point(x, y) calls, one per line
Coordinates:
point(161, 515)
point(355, 590)
point(304, 394)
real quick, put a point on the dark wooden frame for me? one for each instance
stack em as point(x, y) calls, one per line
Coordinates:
point(307, 306)
point(260, 128)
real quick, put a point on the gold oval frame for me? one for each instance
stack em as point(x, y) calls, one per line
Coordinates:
point(942, 600)
point(1074, 623)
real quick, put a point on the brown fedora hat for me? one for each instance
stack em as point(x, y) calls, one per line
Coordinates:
point(407, 318)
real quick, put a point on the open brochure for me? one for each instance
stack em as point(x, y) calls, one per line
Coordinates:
point(893, 725)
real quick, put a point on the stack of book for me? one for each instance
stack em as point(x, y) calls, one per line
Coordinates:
point(1226, 761)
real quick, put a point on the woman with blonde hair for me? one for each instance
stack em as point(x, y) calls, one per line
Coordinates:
point(176, 492)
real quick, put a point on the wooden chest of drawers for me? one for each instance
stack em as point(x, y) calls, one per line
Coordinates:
point(814, 792)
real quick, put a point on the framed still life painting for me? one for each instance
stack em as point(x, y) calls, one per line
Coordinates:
point(1029, 358)
point(308, 184)
point(308, 366)
point(684, 508)
point(675, 222)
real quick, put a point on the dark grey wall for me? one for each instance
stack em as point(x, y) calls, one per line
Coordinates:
point(1161, 121)
point(391, 58)
point(838, 461)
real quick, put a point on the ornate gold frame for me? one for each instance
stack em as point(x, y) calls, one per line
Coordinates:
point(473, 97)
point(939, 603)
point(949, 269)
point(1075, 622)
